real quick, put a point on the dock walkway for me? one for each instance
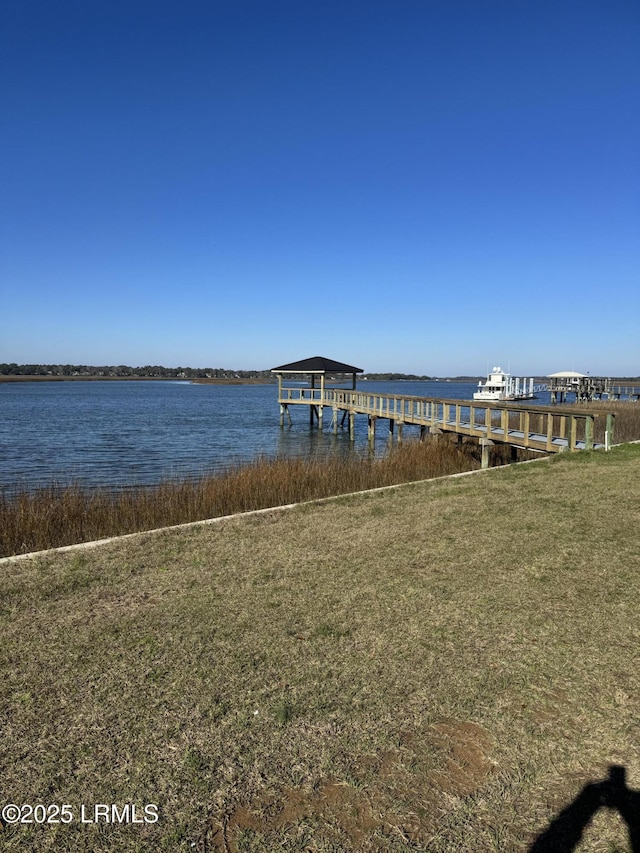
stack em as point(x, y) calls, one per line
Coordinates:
point(546, 429)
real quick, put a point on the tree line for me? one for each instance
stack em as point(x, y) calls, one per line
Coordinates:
point(123, 370)
point(157, 371)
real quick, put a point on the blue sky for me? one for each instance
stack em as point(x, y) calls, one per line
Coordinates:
point(417, 186)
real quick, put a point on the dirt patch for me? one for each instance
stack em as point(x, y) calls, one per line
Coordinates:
point(466, 746)
point(394, 792)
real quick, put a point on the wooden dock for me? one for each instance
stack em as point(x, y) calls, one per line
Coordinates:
point(618, 392)
point(588, 388)
point(546, 429)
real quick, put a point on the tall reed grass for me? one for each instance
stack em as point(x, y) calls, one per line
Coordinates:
point(627, 423)
point(56, 516)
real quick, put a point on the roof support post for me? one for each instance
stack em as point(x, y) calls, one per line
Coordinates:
point(311, 392)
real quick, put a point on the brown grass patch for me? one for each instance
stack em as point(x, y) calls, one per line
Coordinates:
point(393, 792)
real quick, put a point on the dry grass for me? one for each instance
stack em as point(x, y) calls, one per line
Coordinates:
point(56, 516)
point(436, 668)
point(627, 423)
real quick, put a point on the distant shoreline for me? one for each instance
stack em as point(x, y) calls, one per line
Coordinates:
point(36, 378)
point(225, 380)
point(194, 381)
point(249, 381)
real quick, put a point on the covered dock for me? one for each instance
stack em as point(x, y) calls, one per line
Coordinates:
point(321, 373)
point(544, 429)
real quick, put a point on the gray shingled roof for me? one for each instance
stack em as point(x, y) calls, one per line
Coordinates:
point(317, 364)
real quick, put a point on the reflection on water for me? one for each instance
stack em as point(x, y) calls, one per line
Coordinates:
point(137, 433)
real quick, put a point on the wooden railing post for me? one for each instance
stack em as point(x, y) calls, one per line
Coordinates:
point(549, 431)
point(588, 432)
point(563, 426)
point(525, 418)
point(608, 434)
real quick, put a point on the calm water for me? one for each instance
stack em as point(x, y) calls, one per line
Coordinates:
point(134, 433)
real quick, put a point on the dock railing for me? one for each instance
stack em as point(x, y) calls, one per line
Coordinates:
point(543, 428)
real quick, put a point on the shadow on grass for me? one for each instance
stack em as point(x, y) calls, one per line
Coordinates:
point(565, 832)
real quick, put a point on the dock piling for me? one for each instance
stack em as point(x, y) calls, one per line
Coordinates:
point(485, 444)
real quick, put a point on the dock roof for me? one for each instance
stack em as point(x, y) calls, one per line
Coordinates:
point(317, 364)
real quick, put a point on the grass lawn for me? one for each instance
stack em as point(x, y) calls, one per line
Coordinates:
point(439, 667)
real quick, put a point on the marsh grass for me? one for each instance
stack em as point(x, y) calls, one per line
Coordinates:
point(440, 668)
point(57, 516)
point(627, 423)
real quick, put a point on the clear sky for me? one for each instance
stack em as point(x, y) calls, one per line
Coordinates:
point(426, 186)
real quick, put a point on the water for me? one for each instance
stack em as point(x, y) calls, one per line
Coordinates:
point(139, 433)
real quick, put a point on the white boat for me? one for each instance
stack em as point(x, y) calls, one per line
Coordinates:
point(500, 385)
